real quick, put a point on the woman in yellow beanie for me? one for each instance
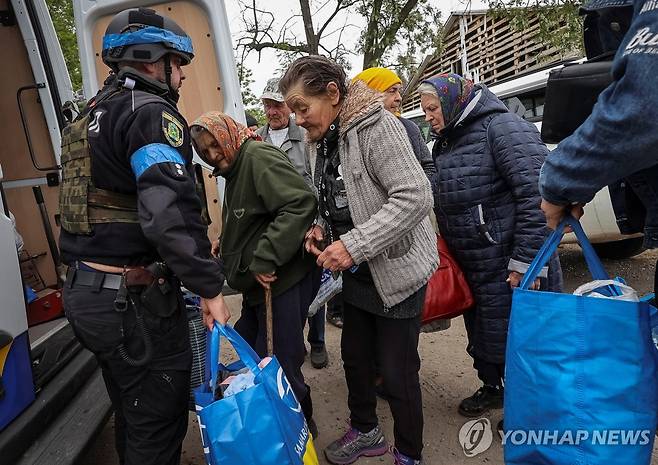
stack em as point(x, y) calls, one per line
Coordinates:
point(389, 84)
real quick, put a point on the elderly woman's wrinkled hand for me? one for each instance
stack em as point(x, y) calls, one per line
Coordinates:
point(314, 236)
point(515, 279)
point(265, 279)
point(335, 257)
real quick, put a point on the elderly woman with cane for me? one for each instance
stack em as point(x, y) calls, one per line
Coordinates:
point(267, 210)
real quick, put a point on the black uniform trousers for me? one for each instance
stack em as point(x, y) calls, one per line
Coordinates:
point(392, 344)
point(289, 313)
point(150, 402)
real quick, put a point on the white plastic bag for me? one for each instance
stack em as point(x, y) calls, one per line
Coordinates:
point(589, 290)
point(329, 287)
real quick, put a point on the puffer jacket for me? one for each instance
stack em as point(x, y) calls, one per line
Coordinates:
point(487, 208)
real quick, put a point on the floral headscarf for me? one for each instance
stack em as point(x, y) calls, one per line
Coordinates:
point(455, 92)
point(228, 133)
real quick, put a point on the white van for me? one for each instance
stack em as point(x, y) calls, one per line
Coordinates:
point(52, 397)
point(599, 221)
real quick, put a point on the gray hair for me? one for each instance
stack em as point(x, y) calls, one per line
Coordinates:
point(425, 88)
point(314, 72)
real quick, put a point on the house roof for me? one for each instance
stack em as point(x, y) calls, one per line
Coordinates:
point(455, 15)
point(447, 27)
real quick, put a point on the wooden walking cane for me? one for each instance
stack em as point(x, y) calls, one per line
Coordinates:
point(268, 322)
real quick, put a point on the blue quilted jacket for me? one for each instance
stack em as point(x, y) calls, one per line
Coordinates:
point(487, 206)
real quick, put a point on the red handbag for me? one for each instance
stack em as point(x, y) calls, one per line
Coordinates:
point(448, 294)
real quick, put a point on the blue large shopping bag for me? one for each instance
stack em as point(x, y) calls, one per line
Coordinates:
point(580, 375)
point(263, 425)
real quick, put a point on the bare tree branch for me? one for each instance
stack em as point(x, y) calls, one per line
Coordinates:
point(311, 38)
point(340, 6)
point(340, 30)
point(389, 28)
point(284, 46)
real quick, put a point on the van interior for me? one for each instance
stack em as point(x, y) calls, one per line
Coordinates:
point(30, 171)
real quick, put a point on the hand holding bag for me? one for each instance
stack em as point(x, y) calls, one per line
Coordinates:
point(262, 425)
point(580, 379)
point(447, 294)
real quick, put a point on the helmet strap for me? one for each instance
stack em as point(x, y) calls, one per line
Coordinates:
point(173, 93)
point(155, 86)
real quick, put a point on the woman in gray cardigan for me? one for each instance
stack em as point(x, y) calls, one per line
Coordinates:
point(373, 204)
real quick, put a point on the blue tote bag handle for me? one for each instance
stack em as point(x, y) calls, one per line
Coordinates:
point(550, 246)
point(244, 350)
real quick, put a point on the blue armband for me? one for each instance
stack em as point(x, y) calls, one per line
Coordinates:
point(152, 154)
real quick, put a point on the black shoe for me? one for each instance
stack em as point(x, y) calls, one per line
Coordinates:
point(312, 428)
point(335, 320)
point(319, 357)
point(484, 399)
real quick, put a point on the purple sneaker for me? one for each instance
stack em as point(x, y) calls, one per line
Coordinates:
point(355, 444)
point(401, 459)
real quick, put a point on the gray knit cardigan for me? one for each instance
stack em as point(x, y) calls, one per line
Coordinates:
point(388, 195)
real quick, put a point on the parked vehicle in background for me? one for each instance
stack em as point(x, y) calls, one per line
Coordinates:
point(52, 398)
point(525, 94)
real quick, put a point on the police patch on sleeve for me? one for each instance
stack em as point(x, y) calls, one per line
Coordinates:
point(172, 129)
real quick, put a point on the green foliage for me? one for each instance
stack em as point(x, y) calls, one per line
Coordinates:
point(251, 103)
point(61, 12)
point(259, 114)
point(554, 15)
point(399, 33)
point(246, 80)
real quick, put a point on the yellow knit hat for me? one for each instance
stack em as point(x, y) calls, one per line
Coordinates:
point(380, 79)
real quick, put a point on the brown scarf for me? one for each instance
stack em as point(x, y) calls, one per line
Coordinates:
point(230, 134)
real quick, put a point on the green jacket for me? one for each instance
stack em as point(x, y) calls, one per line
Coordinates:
point(267, 210)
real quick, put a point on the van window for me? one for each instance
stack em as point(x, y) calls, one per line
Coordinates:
point(533, 103)
point(423, 125)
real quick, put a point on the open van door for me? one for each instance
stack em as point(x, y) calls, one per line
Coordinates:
point(32, 85)
point(211, 81)
point(39, 356)
point(44, 361)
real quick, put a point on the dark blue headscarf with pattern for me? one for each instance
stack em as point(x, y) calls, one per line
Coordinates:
point(455, 92)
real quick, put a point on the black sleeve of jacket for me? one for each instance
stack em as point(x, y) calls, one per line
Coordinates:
point(170, 211)
point(518, 152)
point(420, 148)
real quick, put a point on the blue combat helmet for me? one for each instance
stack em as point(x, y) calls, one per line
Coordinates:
point(143, 35)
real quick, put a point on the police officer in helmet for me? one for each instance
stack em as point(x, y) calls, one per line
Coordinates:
point(132, 232)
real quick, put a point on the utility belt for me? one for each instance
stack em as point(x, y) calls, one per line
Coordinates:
point(99, 280)
point(154, 285)
point(153, 289)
